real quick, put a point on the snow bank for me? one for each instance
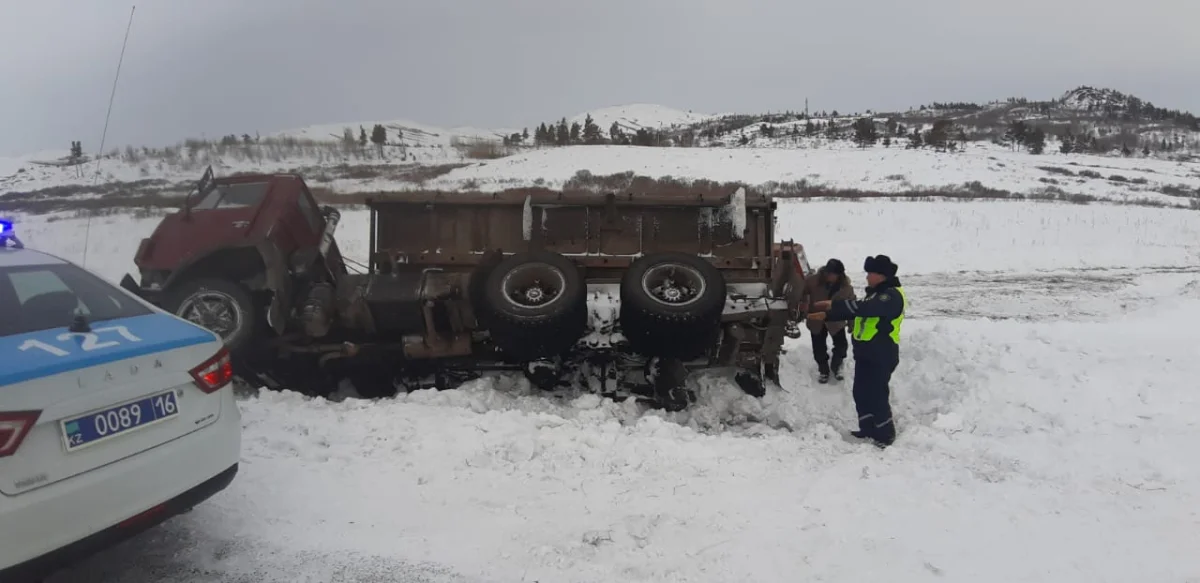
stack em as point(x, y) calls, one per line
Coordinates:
point(1015, 439)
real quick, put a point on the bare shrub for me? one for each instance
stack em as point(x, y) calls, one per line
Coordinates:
point(1056, 170)
point(1180, 190)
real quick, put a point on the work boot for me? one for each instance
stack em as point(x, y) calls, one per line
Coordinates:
point(880, 442)
point(837, 370)
point(823, 378)
point(823, 368)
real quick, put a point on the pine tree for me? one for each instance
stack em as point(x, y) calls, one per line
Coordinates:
point(939, 135)
point(362, 137)
point(892, 126)
point(591, 131)
point(914, 139)
point(576, 130)
point(1068, 143)
point(865, 133)
point(615, 134)
point(1036, 141)
point(831, 130)
point(563, 134)
point(1017, 134)
point(379, 138)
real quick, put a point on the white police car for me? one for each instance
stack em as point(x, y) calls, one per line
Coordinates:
point(114, 415)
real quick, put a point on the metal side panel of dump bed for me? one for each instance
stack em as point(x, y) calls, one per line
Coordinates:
point(602, 232)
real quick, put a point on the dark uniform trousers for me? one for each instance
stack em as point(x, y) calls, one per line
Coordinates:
point(876, 323)
point(821, 348)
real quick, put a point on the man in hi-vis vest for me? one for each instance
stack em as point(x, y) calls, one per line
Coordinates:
point(876, 334)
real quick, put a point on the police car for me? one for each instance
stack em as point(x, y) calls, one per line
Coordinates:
point(114, 415)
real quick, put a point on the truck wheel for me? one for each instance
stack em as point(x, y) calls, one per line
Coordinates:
point(536, 305)
point(671, 305)
point(222, 306)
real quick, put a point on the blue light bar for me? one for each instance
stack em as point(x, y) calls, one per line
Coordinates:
point(8, 234)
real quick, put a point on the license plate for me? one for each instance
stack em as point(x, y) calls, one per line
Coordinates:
point(98, 426)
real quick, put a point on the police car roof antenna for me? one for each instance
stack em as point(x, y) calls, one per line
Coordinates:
point(100, 153)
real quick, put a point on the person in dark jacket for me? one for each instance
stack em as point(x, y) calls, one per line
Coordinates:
point(828, 283)
point(876, 334)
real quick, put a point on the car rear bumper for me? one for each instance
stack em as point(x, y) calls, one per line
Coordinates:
point(59, 523)
point(46, 564)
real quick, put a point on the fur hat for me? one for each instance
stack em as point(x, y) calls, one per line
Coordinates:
point(881, 264)
point(835, 266)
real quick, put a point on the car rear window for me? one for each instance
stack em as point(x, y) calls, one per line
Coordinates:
point(41, 297)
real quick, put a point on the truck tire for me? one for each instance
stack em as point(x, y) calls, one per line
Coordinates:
point(222, 306)
point(536, 305)
point(671, 305)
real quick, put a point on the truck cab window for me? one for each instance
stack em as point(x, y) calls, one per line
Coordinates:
point(233, 196)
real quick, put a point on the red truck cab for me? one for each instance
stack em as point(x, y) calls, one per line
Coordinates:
point(254, 231)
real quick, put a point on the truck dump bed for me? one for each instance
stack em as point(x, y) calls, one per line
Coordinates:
point(602, 232)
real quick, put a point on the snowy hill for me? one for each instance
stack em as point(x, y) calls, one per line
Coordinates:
point(636, 116)
point(936, 148)
point(399, 132)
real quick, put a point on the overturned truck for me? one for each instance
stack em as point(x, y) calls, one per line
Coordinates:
point(623, 294)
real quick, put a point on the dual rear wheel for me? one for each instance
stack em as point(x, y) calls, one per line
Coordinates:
point(535, 305)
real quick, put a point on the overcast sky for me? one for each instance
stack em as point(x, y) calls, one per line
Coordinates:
point(215, 67)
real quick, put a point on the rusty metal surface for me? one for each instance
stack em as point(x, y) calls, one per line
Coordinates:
point(602, 232)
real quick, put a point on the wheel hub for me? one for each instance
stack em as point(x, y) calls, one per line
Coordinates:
point(673, 284)
point(533, 285)
point(212, 310)
point(534, 295)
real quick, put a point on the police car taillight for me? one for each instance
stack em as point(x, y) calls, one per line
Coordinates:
point(214, 373)
point(14, 426)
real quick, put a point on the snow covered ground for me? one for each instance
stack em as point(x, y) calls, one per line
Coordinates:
point(1046, 403)
point(872, 169)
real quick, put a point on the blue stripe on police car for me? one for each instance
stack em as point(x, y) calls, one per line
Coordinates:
point(56, 350)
